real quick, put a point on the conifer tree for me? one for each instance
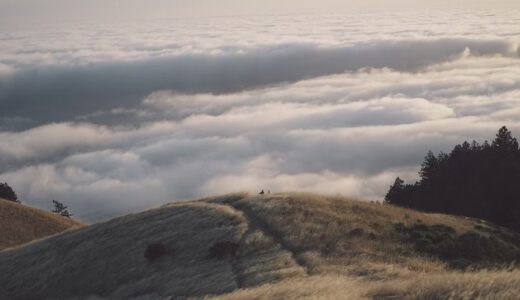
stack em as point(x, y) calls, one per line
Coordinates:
point(61, 209)
point(7, 193)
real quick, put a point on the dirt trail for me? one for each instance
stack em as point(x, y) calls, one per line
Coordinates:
point(264, 265)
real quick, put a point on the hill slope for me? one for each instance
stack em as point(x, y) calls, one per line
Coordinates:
point(289, 246)
point(20, 224)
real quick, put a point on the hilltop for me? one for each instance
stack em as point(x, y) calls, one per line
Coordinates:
point(20, 224)
point(288, 245)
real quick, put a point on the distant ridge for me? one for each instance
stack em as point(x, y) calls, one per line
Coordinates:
point(20, 224)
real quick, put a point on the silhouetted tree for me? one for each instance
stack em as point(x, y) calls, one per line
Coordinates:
point(505, 142)
point(475, 180)
point(7, 193)
point(395, 193)
point(429, 166)
point(61, 209)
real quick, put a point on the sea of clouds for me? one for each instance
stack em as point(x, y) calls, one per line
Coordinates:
point(117, 117)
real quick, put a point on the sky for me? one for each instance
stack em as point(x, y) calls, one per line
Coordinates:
point(74, 10)
point(115, 109)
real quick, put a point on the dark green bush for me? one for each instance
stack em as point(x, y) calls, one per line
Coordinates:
point(154, 251)
point(7, 192)
point(356, 232)
point(225, 249)
point(461, 251)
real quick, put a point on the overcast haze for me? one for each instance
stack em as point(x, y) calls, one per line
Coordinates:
point(117, 106)
point(74, 10)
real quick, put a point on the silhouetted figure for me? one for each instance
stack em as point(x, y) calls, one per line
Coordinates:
point(269, 191)
point(262, 192)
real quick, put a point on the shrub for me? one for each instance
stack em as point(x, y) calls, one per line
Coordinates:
point(400, 227)
point(468, 249)
point(356, 232)
point(423, 243)
point(223, 250)
point(443, 228)
point(155, 251)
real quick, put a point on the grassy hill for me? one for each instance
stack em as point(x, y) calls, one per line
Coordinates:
point(20, 224)
point(287, 246)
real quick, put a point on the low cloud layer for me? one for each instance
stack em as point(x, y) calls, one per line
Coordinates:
point(135, 126)
point(58, 93)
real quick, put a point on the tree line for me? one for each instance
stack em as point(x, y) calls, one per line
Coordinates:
point(475, 180)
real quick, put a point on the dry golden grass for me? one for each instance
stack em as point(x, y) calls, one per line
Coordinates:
point(321, 231)
point(483, 285)
point(20, 224)
point(312, 287)
point(291, 246)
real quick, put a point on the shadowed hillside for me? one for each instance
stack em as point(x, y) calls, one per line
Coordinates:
point(266, 247)
point(20, 224)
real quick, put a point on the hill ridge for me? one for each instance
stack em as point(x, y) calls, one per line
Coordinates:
point(289, 245)
point(20, 224)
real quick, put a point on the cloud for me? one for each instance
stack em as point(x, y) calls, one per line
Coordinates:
point(5, 70)
point(89, 196)
point(111, 121)
point(274, 145)
point(47, 141)
point(62, 92)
